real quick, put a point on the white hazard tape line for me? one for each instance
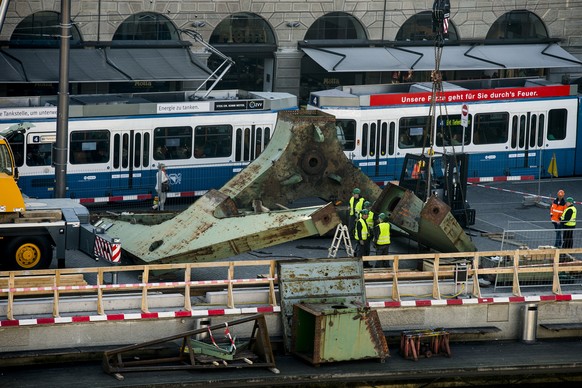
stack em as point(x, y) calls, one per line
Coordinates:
point(140, 316)
point(135, 285)
point(511, 178)
point(515, 192)
point(139, 197)
point(277, 309)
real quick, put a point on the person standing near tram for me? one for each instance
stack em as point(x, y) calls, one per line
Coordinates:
point(556, 210)
point(569, 223)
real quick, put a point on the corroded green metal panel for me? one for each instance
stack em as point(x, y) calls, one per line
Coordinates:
point(431, 224)
point(329, 333)
point(196, 235)
point(333, 281)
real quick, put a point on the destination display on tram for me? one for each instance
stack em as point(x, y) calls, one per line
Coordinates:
point(470, 95)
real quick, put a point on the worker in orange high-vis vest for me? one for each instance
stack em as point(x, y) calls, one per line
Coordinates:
point(556, 210)
point(569, 223)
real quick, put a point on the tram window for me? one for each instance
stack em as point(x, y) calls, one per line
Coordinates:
point(146, 149)
point(557, 123)
point(373, 128)
point(383, 139)
point(259, 142)
point(364, 147)
point(346, 133)
point(415, 127)
point(38, 154)
point(212, 141)
point(514, 129)
point(450, 130)
point(125, 151)
point(89, 147)
point(522, 129)
point(533, 131)
point(137, 155)
point(541, 131)
point(172, 143)
point(491, 128)
point(392, 135)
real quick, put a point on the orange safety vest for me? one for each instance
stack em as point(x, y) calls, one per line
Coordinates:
point(416, 171)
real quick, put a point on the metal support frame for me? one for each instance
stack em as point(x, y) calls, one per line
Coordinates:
point(191, 353)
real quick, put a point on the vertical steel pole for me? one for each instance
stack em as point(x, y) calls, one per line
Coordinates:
point(60, 154)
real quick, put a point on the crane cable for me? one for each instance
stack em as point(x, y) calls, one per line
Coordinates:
point(440, 15)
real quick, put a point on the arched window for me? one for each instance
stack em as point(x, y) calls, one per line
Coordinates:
point(147, 26)
point(336, 25)
point(519, 24)
point(419, 28)
point(250, 41)
point(243, 28)
point(42, 29)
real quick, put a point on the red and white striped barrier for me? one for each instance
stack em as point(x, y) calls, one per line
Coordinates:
point(107, 250)
point(137, 316)
point(277, 309)
point(17, 290)
point(501, 179)
point(139, 197)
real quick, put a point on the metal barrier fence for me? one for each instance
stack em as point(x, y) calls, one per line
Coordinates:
point(528, 239)
point(437, 269)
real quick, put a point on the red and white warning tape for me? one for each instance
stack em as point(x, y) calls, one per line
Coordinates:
point(135, 285)
point(139, 197)
point(501, 179)
point(277, 309)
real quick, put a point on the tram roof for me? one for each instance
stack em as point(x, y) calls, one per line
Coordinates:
point(363, 96)
point(136, 104)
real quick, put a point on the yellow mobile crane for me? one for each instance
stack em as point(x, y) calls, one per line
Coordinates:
point(29, 229)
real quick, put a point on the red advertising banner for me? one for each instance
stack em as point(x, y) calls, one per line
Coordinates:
point(471, 95)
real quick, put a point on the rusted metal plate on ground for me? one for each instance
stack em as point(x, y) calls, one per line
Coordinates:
point(196, 235)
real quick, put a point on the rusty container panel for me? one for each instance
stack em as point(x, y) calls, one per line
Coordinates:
point(401, 206)
point(334, 281)
point(431, 224)
point(440, 228)
point(324, 333)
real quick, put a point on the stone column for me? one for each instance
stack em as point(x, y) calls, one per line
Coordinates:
point(287, 70)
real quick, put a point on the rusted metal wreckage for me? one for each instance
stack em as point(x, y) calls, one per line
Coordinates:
point(303, 159)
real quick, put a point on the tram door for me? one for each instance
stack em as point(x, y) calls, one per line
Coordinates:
point(527, 139)
point(377, 145)
point(130, 159)
point(250, 141)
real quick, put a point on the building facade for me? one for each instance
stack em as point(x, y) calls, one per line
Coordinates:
point(269, 40)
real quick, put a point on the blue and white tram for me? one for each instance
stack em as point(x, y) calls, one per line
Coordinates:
point(115, 143)
point(510, 128)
